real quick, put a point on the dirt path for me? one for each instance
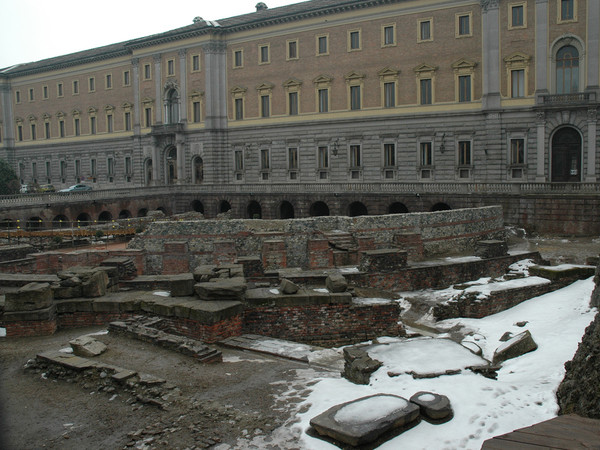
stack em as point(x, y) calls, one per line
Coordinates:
point(246, 398)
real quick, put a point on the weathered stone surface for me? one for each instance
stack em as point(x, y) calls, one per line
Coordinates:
point(181, 285)
point(519, 345)
point(95, 284)
point(221, 289)
point(30, 297)
point(595, 300)
point(61, 292)
point(363, 420)
point(288, 287)
point(336, 283)
point(383, 260)
point(578, 393)
point(205, 273)
point(567, 271)
point(87, 346)
point(358, 365)
point(491, 248)
point(433, 406)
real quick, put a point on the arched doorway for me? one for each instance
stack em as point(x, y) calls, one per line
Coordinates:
point(397, 208)
point(61, 221)
point(198, 171)
point(319, 209)
point(224, 206)
point(198, 206)
point(440, 207)
point(566, 156)
point(254, 210)
point(286, 210)
point(83, 220)
point(142, 212)
point(172, 106)
point(357, 209)
point(34, 223)
point(171, 154)
point(105, 216)
point(124, 214)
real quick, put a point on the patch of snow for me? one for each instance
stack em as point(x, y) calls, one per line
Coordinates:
point(562, 267)
point(487, 289)
point(460, 259)
point(274, 291)
point(349, 270)
point(371, 301)
point(521, 266)
point(98, 333)
point(237, 359)
point(370, 409)
point(323, 290)
point(66, 350)
point(162, 293)
point(2, 332)
point(427, 397)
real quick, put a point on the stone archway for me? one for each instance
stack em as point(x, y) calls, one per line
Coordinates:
point(254, 210)
point(198, 170)
point(566, 156)
point(318, 209)
point(357, 209)
point(286, 210)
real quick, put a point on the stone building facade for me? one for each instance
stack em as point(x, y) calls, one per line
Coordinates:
point(354, 93)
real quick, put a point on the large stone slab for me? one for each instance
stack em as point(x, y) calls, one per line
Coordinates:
point(364, 420)
point(433, 406)
point(87, 346)
point(519, 345)
point(221, 289)
point(31, 297)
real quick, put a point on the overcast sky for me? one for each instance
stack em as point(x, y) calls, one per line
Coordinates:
point(31, 30)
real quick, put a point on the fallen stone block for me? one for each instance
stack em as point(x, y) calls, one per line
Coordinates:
point(288, 287)
point(336, 283)
point(519, 345)
point(181, 285)
point(30, 297)
point(95, 285)
point(358, 365)
point(433, 406)
point(364, 420)
point(221, 289)
point(87, 346)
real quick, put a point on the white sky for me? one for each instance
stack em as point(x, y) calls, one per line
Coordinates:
point(31, 30)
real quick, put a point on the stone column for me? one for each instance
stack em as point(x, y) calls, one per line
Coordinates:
point(592, 51)
point(155, 163)
point(135, 73)
point(8, 124)
point(591, 146)
point(158, 87)
point(183, 99)
point(215, 64)
point(541, 46)
point(180, 143)
point(491, 54)
point(540, 173)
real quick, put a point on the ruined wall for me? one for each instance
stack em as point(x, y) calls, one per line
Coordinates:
point(222, 241)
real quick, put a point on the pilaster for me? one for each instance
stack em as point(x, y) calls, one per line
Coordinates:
point(591, 145)
point(491, 54)
point(183, 106)
point(541, 46)
point(540, 175)
point(158, 111)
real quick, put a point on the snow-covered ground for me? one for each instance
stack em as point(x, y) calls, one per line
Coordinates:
point(523, 394)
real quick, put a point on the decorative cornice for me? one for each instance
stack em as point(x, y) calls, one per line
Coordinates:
point(489, 4)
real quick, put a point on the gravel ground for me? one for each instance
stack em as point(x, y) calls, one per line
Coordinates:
point(246, 399)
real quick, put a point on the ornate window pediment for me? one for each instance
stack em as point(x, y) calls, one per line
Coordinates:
point(292, 83)
point(238, 91)
point(265, 88)
point(92, 110)
point(147, 101)
point(46, 116)
point(323, 81)
point(517, 59)
point(387, 74)
point(425, 68)
point(464, 65)
point(76, 112)
point(127, 106)
point(354, 77)
point(109, 108)
point(31, 118)
point(61, 115)
point(196, 95)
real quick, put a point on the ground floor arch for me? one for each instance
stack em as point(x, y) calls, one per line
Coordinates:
point(286, 210)
point(357, 209)
point(566, 155)
point(319, 209)
point(254, 210)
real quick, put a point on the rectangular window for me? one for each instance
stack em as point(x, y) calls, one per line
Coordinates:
point(517, 151)
point(322, 45)
point(31, 95)
point(389, 155)
point(388, 35)
point(354, 97)
point(148, 117)
point(323, 157)
point(355, 157)
point(239, 160)
point(127, 121)
point(425, 87)
point(47, 130)
point(355, 40)
point(91, 84)
point(110, 163)
point(92, 125)
point(425, 154)
point(239, 109)
point(33, 135)
point(517, 83)
point(126, 78)
point(63, 169)
point(147, 72)
point(464, 153)
point(464, 25)
point(77, 126)
point(109, 123)
point(128, 166)
point(196, 112)
point(61, 128)
point(567, 9)
point(464, 88)
point(389, 94)
point(20, 132)
point(323, 100)
point(34, 171)
point(517, 16)
point(293, 103)
point(195, 63)
point(264, 159)
point(59, 89)
point(108, 81)
point(425, 30)
point(292, 50)
point(293, 158)
point(75, 87)
point(170, 67)
point(17, 97)
point(77, 168)
point(93, 167)
point(264, 54)
point(45, 92)
point(238, 60)
point(264, 106)
point(48, 171)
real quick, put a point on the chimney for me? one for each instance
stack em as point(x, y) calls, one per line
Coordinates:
point(261, 7)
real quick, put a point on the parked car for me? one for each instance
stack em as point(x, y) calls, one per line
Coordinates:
point(25, 189)
point(46, 188)
point(77, 188)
